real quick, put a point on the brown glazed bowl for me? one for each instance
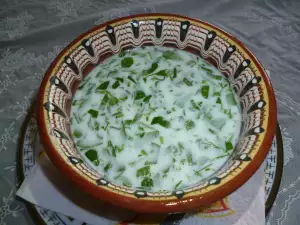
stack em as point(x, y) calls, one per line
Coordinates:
point(225, 52)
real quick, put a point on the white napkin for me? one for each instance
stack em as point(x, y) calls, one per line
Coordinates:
point(47, 188)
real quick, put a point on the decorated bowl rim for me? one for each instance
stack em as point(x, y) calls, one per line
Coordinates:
point(163, 206)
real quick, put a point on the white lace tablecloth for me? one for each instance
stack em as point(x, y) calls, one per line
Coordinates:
point(33, 32)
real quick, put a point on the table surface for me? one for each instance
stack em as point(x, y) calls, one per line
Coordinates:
point(33, 32)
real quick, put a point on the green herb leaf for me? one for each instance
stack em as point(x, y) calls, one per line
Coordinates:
point(206, 69)
point(161, 121)
point(144, 171)
point(187, 82)
point(103, 86)
point(218, 94)
point(211, 131)
point(151, 69)
point(113, 101)
point(196, 105)
point(120, 79)
point(189, 124)
point(190, 159)
point(105, 100)
point(107, 167)
point(143, 152)
point(147, 98)
point(94, 113)
point(161, 139)
point(228, 145)
point(122, 53)
point(147, 182)
point(206, 168)
point(228, 113)
point(77, 134)
point(219, 101)
point(131, 79)
point(182, 162)
point(127, 62)
point(174, 73)
point(178, 184)
point(119, 149)
point(92, 155)
point(163, 73)
point(83, 83)
point(139, 95)
point(205, 91)
point(171, 55)
point(127, 184)
point(116, 84)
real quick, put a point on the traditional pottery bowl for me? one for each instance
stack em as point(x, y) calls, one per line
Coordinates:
point(225, 52)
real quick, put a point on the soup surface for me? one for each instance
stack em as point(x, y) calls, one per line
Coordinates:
point(155, 118)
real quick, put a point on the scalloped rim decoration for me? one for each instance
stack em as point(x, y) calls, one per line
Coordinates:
point(230, 56)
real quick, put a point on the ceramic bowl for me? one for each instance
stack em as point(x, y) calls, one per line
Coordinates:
point(225, 52)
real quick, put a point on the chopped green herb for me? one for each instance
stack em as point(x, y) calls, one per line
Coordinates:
point(105, 100)
point(206, 168)
point(207, 69)
point(131, 164)
point(178, 184)
point(120, 79)
point(143, 152)
point(218, 94)
point(131, 79)
point(219, 101)
point(161, 139)
point(83, 83)
point(123, 98)
point(127, 62)
point(228, 145)
point(92, 155)
point(189, 124)
point(196, 105)
point(103, 86)
point(113, 101)
point(122, 53)
point(228, 113)
point(190, 159)
point(161, 121)
point(161, 73)
point(77, 133)
point(127, 184)
point(116, 84)
point(94, 113)
point(139, 95)
point(144, 171)
point(118, 114)
point(171, 55)
point(107, 167)
point(147, 98)
point(151, 69)
point(211, 131)
point(205, 91)
point(147, 182)
point(187, 82)
point(119, 149)
point(174, 73)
